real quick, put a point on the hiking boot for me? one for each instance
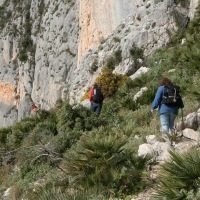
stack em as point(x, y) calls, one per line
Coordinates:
point(166, 139)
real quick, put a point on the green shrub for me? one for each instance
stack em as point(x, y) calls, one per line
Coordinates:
point(118, 56)
point(72, 122)
point(158, 1)
point(42, 133)
point(5, 14)
point(116, 39)
point(61, 142)
point(94, 66)
point(128, 103)
point(23, 55)
point(85, 119)
point(193, 28)
point(41, 8)
point(59, 103)
point(19, 131)
point(42, 115)
point(4, 132)
point(26, 43)
point(75, 118)
point(47, 126)
point(180, 176)
point(100, 159)
point(110, 63)
point(31, 173)
point(142, 116)
point(110, 112)
point(136, 52)
point(66, 118)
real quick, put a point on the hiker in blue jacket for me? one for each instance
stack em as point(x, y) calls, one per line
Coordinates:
point(167, 112)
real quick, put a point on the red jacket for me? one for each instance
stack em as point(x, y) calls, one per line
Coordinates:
point(34, 108)
point(90, 94)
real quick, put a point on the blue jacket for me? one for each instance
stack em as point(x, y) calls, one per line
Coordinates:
point(162, 107)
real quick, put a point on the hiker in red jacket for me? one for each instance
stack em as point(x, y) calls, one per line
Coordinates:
point(96, 98)
point(34, 108)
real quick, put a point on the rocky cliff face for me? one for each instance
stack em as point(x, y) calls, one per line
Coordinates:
point(148, 25)
point(47, 47)
point(98, 19)
point(39, 45)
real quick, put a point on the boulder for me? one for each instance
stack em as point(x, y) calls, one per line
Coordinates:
point(191, 134)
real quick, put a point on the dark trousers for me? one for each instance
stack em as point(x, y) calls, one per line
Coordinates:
point(96, 107)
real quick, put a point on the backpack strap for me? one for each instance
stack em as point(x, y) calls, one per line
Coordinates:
point(174, 95)
point(163, 96)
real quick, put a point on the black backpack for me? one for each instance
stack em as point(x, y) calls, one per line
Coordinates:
point(171, 96)
point(97, 95)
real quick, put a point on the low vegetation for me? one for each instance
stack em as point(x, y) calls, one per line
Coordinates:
point(180, 178)
point(69, 153)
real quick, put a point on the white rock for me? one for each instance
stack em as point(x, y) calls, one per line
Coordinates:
point(191, 134)
point(171, 70)
point(144, 149)
point(7, 192)
point(139, 72)
point(139, 94)
point(151, 139)
point(160, 150)
point(185, 146)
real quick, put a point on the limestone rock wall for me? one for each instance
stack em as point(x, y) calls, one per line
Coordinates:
point(48, 32)
point(99, 18)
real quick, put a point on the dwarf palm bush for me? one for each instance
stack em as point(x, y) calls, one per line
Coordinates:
point(179, 177)
point(100, 159)
point(193, 195)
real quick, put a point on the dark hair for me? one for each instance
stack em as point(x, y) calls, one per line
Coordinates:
point(165, 81)
point(95, 85)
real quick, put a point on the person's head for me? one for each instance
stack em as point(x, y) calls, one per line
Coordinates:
point(165, 81)
point(95, 85)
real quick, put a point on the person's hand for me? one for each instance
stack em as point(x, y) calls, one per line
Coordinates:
point(152, 110)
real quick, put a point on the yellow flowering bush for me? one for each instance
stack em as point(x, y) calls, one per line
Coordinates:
point(109, 83)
